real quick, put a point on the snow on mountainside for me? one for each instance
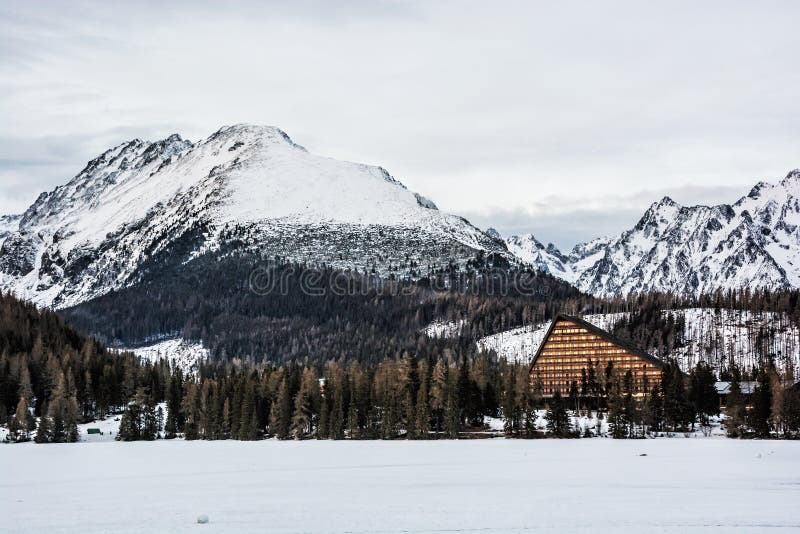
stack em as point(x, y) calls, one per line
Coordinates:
point(548, 258)
point(182, 354)
point(247, 187)
point(754, 242)
point(8, 225)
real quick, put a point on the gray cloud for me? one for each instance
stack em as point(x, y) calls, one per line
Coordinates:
point(567, 221)
point(527, 112)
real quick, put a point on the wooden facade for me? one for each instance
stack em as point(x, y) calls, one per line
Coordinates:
point(572, 345)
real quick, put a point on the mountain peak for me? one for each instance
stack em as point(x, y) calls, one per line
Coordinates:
point(666, 201)
point(255, 132)
point(246, 186)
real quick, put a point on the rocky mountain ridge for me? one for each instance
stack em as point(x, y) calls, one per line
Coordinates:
point(754, 242)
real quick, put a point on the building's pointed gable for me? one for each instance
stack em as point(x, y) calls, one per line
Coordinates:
point(572, 345)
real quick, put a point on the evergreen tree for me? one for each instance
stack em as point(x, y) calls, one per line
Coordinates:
point(438, 394)
point(617, 420)
point(305, 405)
point(703, 392)
point(735, 414)
point(557, 417)
point(159, 421)
point(512, 409)
point(452, 414)
point(653, 412)
point(280, 414)
point(574, 397)
point(677, 409)
point(129, 429)
point(422, 416)
point(19, 426)
point(525, 402)
point(758, 417)
point(43, 431)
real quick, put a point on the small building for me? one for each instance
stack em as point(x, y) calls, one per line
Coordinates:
point(572, 345)
point(724, 388)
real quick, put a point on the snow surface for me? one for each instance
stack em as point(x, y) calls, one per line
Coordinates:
point(568, 486)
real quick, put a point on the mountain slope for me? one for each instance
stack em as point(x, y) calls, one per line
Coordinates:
point(754, 242)
point(244, 188)
point(8, 225)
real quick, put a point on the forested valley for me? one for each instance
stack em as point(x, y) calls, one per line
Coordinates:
point(354, 364)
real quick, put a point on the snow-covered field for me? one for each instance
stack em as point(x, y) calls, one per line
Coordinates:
point(681, 485)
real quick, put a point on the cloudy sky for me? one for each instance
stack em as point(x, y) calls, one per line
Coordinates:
point(566, 119)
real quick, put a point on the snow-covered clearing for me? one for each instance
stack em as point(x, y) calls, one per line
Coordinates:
point(598, 485)
point(180, 353)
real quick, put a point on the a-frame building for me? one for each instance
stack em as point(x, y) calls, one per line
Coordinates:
point(572, 345)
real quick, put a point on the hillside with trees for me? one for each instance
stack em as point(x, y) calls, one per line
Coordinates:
point(50, 372)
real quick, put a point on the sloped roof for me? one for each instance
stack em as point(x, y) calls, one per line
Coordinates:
point(747, 387)
point(600, 332)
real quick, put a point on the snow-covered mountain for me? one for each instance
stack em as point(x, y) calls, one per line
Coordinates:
point(547, 258)
point(754, 242)
point(245, 188)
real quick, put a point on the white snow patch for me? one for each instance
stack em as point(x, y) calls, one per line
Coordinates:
point(444, 329)
point(183, 354)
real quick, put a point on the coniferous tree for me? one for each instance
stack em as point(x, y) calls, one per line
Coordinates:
point(557, 417)
point(452, 413)
point(677, 410)
point(43, 430)
point(654, 411)
point(735, 413)
point(422, 417)
point(703, 392)
point(159, 421)
point(438, 394)
point(305, 405)
point(617, 418)
point(526, 402)
point(280, 414)
point(512, 409)
point(20, 425)
point(758, 416)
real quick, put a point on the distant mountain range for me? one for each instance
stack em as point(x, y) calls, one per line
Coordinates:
point(754, 242)
point(245, 188)
point(252, 189)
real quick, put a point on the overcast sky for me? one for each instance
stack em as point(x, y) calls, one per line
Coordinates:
point(559, 118)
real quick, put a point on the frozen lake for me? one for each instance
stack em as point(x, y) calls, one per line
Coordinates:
point(593, 485)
